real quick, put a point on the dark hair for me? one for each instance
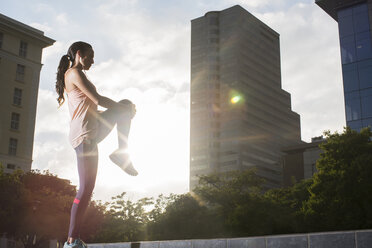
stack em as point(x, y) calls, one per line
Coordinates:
point(64, 64)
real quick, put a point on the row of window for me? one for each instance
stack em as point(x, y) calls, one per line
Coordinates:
point(357, 75)
point(353, 20)
point(359, 124)
point(22, 46)
point(358, 105)
point(355, 40)
point(355, 47)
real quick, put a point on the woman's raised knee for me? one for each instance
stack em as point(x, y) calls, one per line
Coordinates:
point(125, 101)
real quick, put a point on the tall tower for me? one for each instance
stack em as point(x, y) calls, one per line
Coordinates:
point(240, 116)
point(20, 64)
point(354, 19)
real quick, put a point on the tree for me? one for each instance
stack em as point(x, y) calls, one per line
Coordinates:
point(11, 201)
point(124, 220)
point(237, 200)
point(47, 204)
point(340, 197)
point(183, 217)
point(35, 207)
point(289, 205)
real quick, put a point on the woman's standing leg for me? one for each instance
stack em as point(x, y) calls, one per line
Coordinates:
point(87, 158)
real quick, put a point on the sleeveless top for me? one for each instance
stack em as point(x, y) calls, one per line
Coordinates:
point(83, 112)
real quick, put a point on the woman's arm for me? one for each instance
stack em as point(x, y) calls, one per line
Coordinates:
point(80, 80)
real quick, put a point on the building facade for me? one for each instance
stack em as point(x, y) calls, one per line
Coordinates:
point(20, 64)
point(240, 116)
point(299, 161)
point(354, 22)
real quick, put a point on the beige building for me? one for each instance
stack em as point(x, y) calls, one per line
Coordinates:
point(299, 161)
point(20, 64)
point(240, 116)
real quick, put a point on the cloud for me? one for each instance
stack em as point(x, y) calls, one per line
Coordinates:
point(311, 69)
point(145, 57)
point(52, 150)
point(44, 27)
point(62, 19)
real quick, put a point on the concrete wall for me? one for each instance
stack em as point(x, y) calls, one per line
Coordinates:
point(349, 239)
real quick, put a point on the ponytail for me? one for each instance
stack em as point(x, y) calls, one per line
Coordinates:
point(64, 65)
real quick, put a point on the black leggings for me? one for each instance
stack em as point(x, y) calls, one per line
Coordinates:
point(87, 161)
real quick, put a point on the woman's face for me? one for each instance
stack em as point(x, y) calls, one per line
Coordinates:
point(87, 59)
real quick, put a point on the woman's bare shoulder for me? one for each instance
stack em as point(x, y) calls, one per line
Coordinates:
point(73, 72)
point(70, 78)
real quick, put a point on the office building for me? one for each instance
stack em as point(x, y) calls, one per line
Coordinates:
point(299, 161)
point(240, 116)
point(20, 64)
point(354, 24)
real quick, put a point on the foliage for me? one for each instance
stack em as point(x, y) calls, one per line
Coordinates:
point(289, 204)
point(35, 207)
point(237, 198)
point(11, 199)
point(47, 204)
point(341, 193)
point(124, 220)
point(184, 217)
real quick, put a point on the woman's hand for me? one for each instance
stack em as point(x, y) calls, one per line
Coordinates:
point(128, 107)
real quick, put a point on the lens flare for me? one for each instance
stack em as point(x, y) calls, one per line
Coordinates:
point(235, 99)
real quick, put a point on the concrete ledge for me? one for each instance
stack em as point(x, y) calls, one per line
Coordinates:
point(334, 240)
point(347, 239)
point(290, 241)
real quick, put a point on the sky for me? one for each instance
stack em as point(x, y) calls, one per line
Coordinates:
point(142, 53)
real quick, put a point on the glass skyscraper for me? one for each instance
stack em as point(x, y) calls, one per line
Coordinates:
point(354, 23)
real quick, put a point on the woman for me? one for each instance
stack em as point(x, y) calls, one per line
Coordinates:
point(88, 127)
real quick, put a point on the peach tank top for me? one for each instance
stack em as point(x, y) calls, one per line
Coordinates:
point(83, 112)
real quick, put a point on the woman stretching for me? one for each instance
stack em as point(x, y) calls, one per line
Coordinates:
point(88, 127)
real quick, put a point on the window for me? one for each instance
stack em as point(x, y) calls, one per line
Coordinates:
point(348, 53)
point(214, 31)
point(361, 22)
point(367, 122)
point(355, 125)
point(14, 124)
point(17, 97)
point(350, 77)
point(363, 45)
point(352, 105)
point(11, 166)
point(228, 163)
point(23, 49)
point(13, 146)
point(20, 74)
point(365, 73)
point(366, 103)
point(213, 40)
point(345, 26)
point(213, 21)
point(354, 30)
point(1, 39)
